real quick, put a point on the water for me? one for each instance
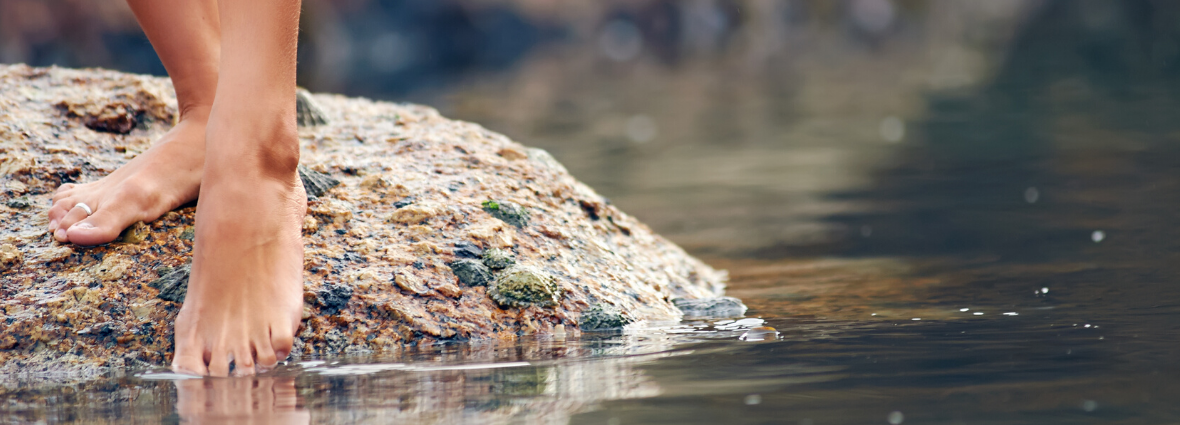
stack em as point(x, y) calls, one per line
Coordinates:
point(956, 212)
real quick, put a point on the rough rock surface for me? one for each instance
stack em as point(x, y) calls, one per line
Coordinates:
point(417, 193)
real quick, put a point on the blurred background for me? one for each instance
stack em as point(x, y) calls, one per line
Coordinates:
point(767, 129)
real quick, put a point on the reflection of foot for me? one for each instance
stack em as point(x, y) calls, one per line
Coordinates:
point(257, 400)
point(245, 292)
point(153, 183)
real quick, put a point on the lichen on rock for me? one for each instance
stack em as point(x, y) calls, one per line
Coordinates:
point(602, 317)
point(523, 286)
point(511, 213)
point(498, 259)
point(471, 272)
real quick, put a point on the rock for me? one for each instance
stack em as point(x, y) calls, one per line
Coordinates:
point(509, 212)
point(9, 256)
point(471, 272)
point(603, 317)
point(135, 233)
point(19, 203)
point(113, 267)
point(315, 182)
point(410, 283)
point(307, 112)
point(467, 250)
point(426, 179)
point(333, 298)
point(523, 286)
point(498, 259)
point(713, 307)
point(173, 283)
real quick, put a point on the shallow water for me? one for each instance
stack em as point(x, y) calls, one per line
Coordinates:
point(984, 239)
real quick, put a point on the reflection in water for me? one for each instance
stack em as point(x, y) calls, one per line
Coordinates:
point(253, 400)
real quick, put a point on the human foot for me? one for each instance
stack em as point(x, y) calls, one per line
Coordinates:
point(165, 177)
point(245, 292)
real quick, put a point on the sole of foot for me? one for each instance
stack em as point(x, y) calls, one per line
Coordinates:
point(161, 179)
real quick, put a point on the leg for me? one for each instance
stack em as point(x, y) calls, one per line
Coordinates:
point(245, 293)
point(186, 35)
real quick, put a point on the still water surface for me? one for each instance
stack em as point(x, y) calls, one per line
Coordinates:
point(985, 239)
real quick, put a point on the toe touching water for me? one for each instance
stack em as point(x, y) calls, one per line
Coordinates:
point(245, 292)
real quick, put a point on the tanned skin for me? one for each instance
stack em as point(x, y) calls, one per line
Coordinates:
point(235, 148)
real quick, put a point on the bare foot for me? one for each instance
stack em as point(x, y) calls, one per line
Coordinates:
point(245, 293)
point(256, 400)
point(165, 177)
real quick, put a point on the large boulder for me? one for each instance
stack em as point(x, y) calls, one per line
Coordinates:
point(437, 230)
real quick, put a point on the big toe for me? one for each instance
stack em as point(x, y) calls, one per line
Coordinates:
point(102, 227)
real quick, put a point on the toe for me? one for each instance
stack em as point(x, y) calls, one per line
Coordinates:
point(264, 355)
point(281, 341)
point(219, 362)
point(75, 215)
point(63, 191)
point(102, 227)
point(243, 361)
point(58, 211)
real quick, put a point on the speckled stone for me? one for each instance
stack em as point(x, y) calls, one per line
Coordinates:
point(412, 187)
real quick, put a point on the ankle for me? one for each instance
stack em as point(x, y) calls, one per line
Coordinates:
point(196, 112)
point(254, 148)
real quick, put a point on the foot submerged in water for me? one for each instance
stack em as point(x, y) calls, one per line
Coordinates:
point(167, 176)
point(245, 292)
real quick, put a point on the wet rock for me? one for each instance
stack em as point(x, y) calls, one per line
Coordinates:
point(333, 298)
point(307, 112)
point(498, 259)
point(511, 213)
point(415, 213)
point(467, 250)
point(603, 317)
point(173, 283)
point(522, 286)
point(315, 182)
point(471, 272)
point(99, 329)
point(113, 267)
point(713, 307)
point(359, 236)
point(18, 203)
point(410, 283)
point(10, 256)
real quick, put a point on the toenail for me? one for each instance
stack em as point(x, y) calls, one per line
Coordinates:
point(60, 234)
point(53, 225)
point(82, 225)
